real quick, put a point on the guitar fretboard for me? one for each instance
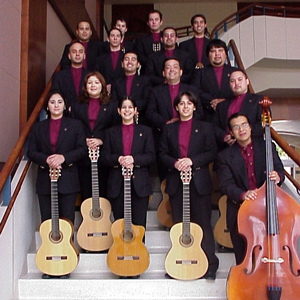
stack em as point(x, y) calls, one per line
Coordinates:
point(186, 209)
point(95, 187)
point(54, 211)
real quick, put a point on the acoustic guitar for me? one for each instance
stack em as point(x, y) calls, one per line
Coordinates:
point(221, 233)
point(164, 211)
point(94, 233)
point(186, 259)
point(57, 255)
point(128, 256)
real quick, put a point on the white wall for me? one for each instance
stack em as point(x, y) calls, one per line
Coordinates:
point(10, 40)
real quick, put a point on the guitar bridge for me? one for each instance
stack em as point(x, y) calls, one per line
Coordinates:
point(128, 257)
point(56, 258)
point(186, 262)
point(97, 234)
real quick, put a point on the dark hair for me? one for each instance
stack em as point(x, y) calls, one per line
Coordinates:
point(169, 28)
point(203, 17)
point(189, 94)
point(217, 43)
point(234, 116)
point(155, 11)
point(120, 102)
point(239, 70)
point(49, 95)
point(115, 28)
point(170, 58)
point(132, 52)
point(122, 20)
point(85, 97)
point(81, 22)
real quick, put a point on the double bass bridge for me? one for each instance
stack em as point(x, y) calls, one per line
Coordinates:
point(266, 260)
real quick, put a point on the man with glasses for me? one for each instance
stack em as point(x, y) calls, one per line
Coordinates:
point(241, 101)
point(241, 170)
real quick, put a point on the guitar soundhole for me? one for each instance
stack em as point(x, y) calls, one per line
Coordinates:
point(96, 214)
point(128, 236)
point(56, 237)
point(186, 240)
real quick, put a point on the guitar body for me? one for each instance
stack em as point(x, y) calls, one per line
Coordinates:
point(94, 234)
point(164, 211)
point(127, 257)
point(186, 262)
point(221, 233)
point(60, 257)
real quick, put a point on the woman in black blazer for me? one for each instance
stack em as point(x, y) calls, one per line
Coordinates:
point(57, 142)
point(190, 144)
point(97, 113)
point(129, 145)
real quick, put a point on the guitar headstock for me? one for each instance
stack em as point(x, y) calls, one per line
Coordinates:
point(94, 154)
point(127, 172)
point(186, 176)
point(54, 174)
point(265, 103)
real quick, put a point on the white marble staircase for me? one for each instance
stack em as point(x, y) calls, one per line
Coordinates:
point(93, 280)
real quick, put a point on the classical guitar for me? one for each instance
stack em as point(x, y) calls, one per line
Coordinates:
point(164, 212)
point(221, 233)
point(57, 254)
point(186, 259)
point(94, 233)
point(128, 256)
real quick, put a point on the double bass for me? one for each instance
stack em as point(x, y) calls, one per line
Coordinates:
point(271, 227)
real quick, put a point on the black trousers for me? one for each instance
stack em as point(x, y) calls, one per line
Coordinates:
point(66, 205)
point(200, 213)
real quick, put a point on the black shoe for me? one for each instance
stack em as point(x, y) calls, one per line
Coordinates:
point(129, 277)
point(168, 276)
point(46, 276)
point(210, 275)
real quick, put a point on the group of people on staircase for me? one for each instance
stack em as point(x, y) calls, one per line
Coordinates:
point(152, 102)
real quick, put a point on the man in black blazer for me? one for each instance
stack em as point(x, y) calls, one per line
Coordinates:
point(242, 101)
point(70, 81)
point(150, 43)
point(241, 170)
point(193, 45)
point(154, 68)
point(93, 48)
point(160, 110)
point(213, 80)
point(109, 64)
point(133, 85)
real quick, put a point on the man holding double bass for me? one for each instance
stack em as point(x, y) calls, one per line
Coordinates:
point(241, 170)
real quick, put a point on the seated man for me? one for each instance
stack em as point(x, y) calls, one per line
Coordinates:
point(93, 48)
point(133, 85)
point(155, 63)
point(70, 81)
point(242, 101)
point(241, 170)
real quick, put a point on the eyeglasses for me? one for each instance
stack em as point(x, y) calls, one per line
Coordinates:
point(238, 127)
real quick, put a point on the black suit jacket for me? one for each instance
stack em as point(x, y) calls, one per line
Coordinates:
point(154, 67)
point(105, 67)
point(250, 107)
point(202, 151)
point(71, 144)
point(233, 176)
point(107, 117)
point(190, 47)
point(63, 81)
point(159, 104)
point(95, 48)
point(140, 89)
point(143, 153)
point(144, 48)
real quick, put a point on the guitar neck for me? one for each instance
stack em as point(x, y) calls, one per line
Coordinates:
point(186, 209)
point(54, 210)
point(95, 186)
point(127, 206)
